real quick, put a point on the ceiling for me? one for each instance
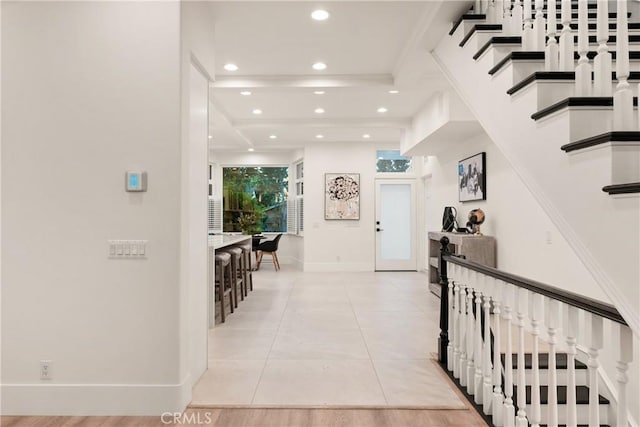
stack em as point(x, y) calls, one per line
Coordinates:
point(369, 48)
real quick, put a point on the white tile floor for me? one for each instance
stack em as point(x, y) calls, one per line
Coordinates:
point(328, 339)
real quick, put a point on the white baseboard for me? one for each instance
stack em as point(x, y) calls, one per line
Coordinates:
point(95, 399)
point(327, 267)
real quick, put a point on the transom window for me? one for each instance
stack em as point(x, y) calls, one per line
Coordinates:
point(392, 161)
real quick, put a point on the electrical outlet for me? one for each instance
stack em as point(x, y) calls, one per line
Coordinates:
point(45, 369)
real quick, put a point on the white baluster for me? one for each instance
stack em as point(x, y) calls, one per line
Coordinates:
point(625, 356)
point(522, 305)
point(623, 96)
point(595, 344)
point(450, 329)
point(602, 62)
point(539, 26)
point(516, 18)
point(477, 354)
point(583, 69)
point(509, 409)
point(553, 315)
point(462, 369)
point(571, 332)
point(471, 334)
point(566, 38)
point(499, 12)
point(527, 31)
point(456, 326)
point(491, 11)
point(487, 393)
point(478, 7)
point(536, 312)
point(551, 52)
point(498, 398)
point(507, 22)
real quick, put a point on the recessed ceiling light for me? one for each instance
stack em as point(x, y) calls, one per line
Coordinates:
point(319, 66)
point(319, 110)
point(393, 91)
point(210, 137)
point(319, 136)
point(250, 149)
point(320, 15)
point(231, 67)
point(245, 93)
point(382, 110)
point(273, 137)
point(318, 92)
point(259, 111)
point(366, 136)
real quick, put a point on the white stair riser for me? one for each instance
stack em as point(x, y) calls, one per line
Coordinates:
point(551, 92)
point(582, 411)
point(520, 70)
point(495, 54)
point(479, 39)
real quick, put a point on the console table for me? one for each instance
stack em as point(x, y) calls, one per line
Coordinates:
point(480, 249)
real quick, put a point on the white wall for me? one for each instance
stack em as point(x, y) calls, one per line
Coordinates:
point(339, 245)
point(520, 226)
point(84, 81)
point(197, 66)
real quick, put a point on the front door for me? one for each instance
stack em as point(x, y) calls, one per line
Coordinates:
point(395, 225)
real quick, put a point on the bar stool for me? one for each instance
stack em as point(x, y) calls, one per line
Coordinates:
point(237, 266)
point(248, 276)
point(223, 281)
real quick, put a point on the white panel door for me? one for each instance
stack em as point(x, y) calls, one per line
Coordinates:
point(395, 224)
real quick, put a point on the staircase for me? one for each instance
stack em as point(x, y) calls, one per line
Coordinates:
point(555, 86)
point(511, 345)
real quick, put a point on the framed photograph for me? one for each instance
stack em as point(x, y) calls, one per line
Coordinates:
point(472, 184)
point(342, 196)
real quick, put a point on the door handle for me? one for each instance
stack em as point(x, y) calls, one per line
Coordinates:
point(379, 229)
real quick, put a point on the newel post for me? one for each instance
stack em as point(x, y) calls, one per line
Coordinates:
point(443, 339)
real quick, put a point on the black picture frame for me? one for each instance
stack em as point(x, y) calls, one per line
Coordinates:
point(472, 178)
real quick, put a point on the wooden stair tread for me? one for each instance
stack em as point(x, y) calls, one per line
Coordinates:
point(628, 188)
point(501, 40)
point(479, 27)
point(582, 395)
point(466, 16)
point(543, 361)
point(577, 101)
point(603, 138)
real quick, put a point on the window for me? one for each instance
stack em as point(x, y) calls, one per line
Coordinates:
point(255, 197)
point(392, 161)
point(299, 203)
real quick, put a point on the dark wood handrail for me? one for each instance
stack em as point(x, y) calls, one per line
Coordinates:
point(585, 303)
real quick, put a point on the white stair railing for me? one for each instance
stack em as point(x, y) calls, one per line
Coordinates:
point(516, 18)
point(498, 398)
point(623, 96)
point(551, 51)
point(571, 332)
point(478, 354)
point(566, 45)
point(595, 345)
point(509, 409)
point(522, 305)
point(554, 313)
point(583, 69)
point(527, 26)
point(539, 26)
point(471, 288)
point(602, 63)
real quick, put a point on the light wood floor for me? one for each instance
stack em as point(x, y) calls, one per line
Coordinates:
point(273, 418)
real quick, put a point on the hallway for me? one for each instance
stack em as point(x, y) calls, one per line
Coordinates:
point(328, 340)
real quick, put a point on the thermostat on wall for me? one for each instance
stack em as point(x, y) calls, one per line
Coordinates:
point(136, 181)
